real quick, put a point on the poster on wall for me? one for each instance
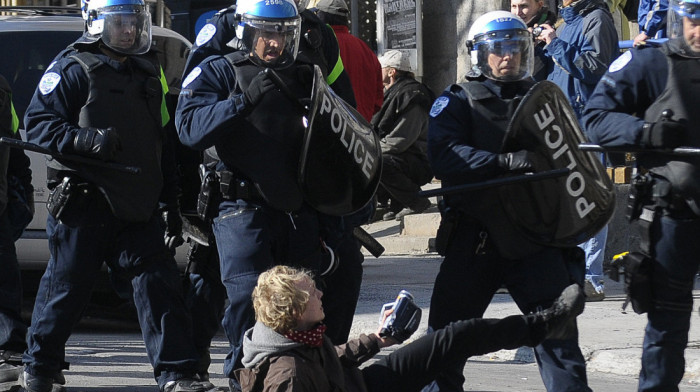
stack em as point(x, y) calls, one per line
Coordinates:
point(399, 27)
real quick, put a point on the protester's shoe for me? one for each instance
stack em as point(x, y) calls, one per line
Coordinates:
point(391, 215)
point(424, 205)
point(593, 294)
point(10, 365)
point(32, 383)
point(555, 322)
point(188, 385)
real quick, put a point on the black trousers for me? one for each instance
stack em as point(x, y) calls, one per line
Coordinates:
point(416, 364)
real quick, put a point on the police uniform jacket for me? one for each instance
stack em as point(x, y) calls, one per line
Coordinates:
point(637, 88)
point(584, 47)
point(261, 144)
point(125, 95)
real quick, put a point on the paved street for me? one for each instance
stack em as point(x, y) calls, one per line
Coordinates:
point(109, 356)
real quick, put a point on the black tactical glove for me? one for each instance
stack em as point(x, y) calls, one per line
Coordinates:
point(259, 86)
point(663, 134)
point(100, 143)
point(173, 227)
point(517, 161)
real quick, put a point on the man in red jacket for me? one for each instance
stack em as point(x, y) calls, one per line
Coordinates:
point(360, 62)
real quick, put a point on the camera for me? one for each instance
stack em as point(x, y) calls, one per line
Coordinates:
point(537, 31)
point(404, 320)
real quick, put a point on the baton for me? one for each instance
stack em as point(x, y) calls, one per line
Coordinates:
point(629, 44)
point(16, 143)
point(692, 151)
point(285, 90)
point(497, 182)
point(369, 242)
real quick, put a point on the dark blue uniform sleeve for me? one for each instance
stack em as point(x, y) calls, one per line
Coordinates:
point(213, 38)
point(51, 119)
point(451, 153)
point(630, 86)
point(209, 107)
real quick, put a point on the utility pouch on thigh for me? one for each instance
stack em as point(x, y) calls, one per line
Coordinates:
point(638, 282)
point(59, 197)
point(209, 193)
point(445, 232)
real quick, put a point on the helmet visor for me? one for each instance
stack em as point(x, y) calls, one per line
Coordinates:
point(127, 29)
point(272, 44)
point(505, 56)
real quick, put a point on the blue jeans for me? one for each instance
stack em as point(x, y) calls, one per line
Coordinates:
point(13, 331)
point(467, 282)
point(676, 256)
point(251, 238)
point(595, 255)
point(87, 236)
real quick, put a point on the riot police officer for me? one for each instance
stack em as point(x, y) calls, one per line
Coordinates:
point(231, 108)
point(647, 100)
point(467, 126)
point(317, 45)
point(103, 100)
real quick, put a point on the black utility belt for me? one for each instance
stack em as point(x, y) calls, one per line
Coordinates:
point(233, 187)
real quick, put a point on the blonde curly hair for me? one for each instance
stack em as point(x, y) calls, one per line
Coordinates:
point(277, 300)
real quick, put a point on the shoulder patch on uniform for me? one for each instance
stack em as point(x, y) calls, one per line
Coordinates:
point(192, 76)
point(205, 34)
point(621, 61)
point(51, 65)
point(438, 105)
point(49, 82)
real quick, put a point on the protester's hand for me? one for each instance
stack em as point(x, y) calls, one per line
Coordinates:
point(518, 161)
point(663, 134)
point(640, 39)
point(97, 142)
point(259, 86)
point(547, 34)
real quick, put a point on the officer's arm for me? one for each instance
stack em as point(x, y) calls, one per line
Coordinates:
point(52, 115)
point(337, 78)
point(590, 61)
point(652, 14)
point(205, 111)
point(450, 153)
point(406, 131)
point(634, 81)
point(212, 39)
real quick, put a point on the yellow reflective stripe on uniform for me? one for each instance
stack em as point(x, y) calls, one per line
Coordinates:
point(15, 120)
point(164, 115)
point(338, 68)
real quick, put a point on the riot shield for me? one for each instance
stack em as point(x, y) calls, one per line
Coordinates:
point(564, 211)
point(341, 158)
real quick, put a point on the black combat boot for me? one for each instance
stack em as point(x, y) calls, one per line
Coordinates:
point(557, 322)
point(32, 383)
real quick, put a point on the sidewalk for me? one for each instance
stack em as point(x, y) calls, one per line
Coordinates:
point(610, 340)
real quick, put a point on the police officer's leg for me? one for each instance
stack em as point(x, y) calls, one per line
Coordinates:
point(205, 299)
point(79, 243)
point(13, 331)
point(165, 323)
point(675, 262)
point(534, 283)
point(244, 236)
point(467, 275)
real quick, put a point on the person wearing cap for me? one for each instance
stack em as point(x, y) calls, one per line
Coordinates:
point(402, 125)
point(360, 62)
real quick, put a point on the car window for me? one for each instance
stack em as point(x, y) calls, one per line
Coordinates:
point(31, 53)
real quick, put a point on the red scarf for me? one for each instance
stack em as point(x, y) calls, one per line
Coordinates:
point(312, 337)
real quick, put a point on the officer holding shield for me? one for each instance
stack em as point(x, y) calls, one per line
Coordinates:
point(648, 100)
point(231, 108)
point(482, 251)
